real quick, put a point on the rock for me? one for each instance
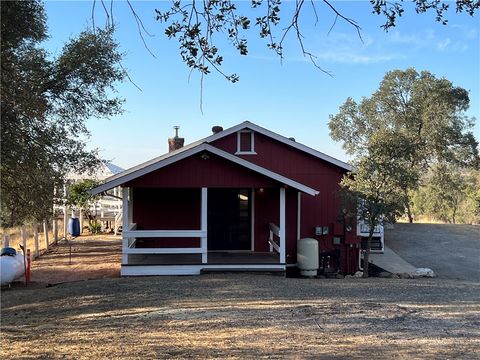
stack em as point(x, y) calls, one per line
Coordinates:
point(348, 276)
point(424, 272)
point(384, 274)
point(339, 276)
point(358, 274)
point(394, 276)
point(405, 276)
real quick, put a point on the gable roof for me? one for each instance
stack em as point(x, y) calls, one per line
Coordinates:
point(190, 149)
point(185, 152)
point(280, 138)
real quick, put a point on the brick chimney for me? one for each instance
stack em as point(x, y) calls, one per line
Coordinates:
point(175, 142)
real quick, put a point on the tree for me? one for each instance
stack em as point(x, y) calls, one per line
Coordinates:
point(426, 112)
point(442, 194)
point(45, 102)
point(373, 186)
point(449, 195)
point(198, 25)
point(79, 197)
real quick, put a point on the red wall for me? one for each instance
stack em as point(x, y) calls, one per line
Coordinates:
point(214, 171)
point(321, 210)
point(167, 209)
point(196, 172)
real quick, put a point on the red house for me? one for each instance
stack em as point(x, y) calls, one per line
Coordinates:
point(236, 200)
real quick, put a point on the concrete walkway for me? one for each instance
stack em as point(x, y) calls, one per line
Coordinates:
point(390, 261)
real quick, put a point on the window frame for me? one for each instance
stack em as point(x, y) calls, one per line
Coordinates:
point(252, 143)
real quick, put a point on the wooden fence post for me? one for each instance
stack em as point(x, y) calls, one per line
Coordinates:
point(6, 241)
point(24, 238)
point(55, 231)
point(45, 233)
point(35, 238)
point(80, 219)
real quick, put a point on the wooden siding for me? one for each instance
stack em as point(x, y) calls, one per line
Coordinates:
point(321, 210)
point(167, 209)
point(203, 170)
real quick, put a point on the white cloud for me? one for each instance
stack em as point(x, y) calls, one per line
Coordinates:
point(443, 44)
point(349, 57)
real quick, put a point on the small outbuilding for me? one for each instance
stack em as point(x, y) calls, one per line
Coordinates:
point(236, 200)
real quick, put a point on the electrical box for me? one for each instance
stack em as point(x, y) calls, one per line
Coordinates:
point(318, 230)
point(325, 230)
point(337, 240)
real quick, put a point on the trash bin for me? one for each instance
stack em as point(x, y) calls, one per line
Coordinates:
point(74, 227)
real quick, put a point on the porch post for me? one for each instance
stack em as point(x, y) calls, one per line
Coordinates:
point(204, 223)
point(125, 222)
point(282, 226)
point(299, 214)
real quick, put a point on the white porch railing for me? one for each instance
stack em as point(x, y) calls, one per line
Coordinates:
point(274, 231)
point(130, 233)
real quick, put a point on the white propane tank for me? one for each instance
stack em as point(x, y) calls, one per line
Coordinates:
point(307, 256)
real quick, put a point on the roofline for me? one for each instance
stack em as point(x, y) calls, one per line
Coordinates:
point(231, 130)
point(283, 139)
point(165, 160)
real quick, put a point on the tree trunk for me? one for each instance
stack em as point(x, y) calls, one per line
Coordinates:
point(409, 211)
point(367, 251)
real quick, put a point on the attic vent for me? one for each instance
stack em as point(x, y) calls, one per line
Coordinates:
point(245, 142)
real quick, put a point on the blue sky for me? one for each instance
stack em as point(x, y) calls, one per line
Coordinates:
point(291, 98)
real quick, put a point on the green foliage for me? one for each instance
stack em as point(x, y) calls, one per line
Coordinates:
point(374, 186)
point(422, 114)
point(197, 25)
point(449, 195)
point(94, 227)
point(45, 103)
point(79, 196)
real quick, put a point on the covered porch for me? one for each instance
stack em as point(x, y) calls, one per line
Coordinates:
point(217, 230)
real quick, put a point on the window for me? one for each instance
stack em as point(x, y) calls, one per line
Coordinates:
point(245, 142)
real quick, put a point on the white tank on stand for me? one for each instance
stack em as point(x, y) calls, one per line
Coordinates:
point(307, 256)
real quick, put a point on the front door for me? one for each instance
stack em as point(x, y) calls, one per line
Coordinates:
point(229, 219)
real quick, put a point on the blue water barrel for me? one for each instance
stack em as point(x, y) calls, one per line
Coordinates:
point(74, 227)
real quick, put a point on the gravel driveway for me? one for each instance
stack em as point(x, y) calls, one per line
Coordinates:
point(451, 251)
point(244, 316)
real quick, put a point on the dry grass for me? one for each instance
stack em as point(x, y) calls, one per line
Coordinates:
point(230, 315)
point(243, 316)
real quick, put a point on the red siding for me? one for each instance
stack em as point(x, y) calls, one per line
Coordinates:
point(196, 172)
point(181, 207)
point(321, 210)
point(167, 209)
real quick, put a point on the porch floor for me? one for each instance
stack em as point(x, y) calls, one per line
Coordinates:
point(217, 258)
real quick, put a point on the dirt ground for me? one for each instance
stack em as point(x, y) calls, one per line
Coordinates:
point(243, 316)
point(92, 257)
point(230, 315)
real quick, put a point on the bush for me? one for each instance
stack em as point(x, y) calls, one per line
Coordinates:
point(95, 227)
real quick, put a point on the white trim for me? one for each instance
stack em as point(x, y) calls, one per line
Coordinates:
point(299, 214)
point(152, 270)
point(203, 147)
point(280, 138)
point(244, 125)
point(252, 215)
point(125, 225)
point(165, 233)
point(162, 250)
point(130, 205)
point(282, 225)
point(252, 143)
point(204, 225)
